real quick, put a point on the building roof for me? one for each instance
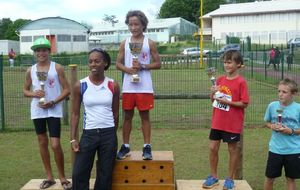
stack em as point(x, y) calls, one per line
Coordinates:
point(53, 23)
point(257, 7)
point(156, 23)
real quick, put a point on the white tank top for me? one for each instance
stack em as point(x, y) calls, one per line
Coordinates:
point(145, 86)
point(52, 91)
point(97, 101)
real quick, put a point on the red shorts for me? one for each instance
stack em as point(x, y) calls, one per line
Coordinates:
point(143, 101)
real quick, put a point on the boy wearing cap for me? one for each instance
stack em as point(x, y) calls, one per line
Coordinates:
point(46, 107)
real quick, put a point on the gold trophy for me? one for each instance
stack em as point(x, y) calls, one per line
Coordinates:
point(135, 49)
point(211, 72)
point(42, 77)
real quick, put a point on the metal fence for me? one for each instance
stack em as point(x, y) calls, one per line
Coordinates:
point(181, 88)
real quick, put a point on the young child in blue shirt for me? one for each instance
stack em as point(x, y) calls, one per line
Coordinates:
point(283, 118)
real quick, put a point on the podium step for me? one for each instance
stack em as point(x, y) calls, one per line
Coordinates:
point(197, 185)
point(133, 173)
point(138, 174)
point(34, 184)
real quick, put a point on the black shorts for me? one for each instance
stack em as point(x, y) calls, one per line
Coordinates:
point(53, 124)
point(290, 163)
point(226, 136)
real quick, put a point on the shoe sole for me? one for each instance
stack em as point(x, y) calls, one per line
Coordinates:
point(227, 189)
point(209, 187)
point(144, 158)
point(122, 158)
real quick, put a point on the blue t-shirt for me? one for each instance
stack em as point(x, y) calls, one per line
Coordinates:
point(283, 143)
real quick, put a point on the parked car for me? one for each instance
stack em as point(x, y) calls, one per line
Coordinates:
point(229, 47)
point(294, 41)
point(194, 51)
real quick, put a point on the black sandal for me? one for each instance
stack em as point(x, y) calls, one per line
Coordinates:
point(47, 183)
point(66, 185)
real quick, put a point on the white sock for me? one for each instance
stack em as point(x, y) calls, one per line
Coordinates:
point(146, 145)
point(126, 145)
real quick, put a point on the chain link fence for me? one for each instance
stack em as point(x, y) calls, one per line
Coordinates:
point(181, 88)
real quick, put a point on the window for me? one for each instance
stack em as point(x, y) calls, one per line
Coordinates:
point(63, 38)
point(79, 38)
point(36, 37)
point(26, 38)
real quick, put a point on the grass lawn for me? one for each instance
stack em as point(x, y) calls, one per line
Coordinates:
point(20, 159)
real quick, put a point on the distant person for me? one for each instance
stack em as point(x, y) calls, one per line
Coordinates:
point(272, 58)
point(99, 96)
point(47, 113)
point(11, 56)
point(277, 58)
point(283, 118)
point(137, 94)
point(230, 98)
point(289, 61)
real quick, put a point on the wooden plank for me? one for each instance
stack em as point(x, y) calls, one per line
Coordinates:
point(34, 184)
point(157, 156)
point(143, 187)
point(197, 185)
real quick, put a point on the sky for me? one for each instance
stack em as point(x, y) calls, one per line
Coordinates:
point(87, 11)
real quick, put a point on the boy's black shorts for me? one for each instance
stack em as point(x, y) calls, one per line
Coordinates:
point(53, 123)
point(226, 136)
point(290, 163)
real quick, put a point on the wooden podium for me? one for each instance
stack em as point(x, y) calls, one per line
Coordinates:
point(138, 174)
point(133, 173)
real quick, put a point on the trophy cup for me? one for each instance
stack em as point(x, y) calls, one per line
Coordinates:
point(42, 77)
point(211, 71)
point(279, 116)
point(135, 49)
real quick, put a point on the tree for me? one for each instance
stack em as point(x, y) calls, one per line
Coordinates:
point(8, 28)
point(110, 19)
point(4, 24)
point(190, 9)
point(10, 33)
point(187, 9)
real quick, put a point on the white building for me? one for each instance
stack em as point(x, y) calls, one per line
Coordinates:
point(6, 45)
point(269, 22)
point(65, 35)
point(159, 30)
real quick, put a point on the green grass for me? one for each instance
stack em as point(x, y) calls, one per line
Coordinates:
point(20, 159)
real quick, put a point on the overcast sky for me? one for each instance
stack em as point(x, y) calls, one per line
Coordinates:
point(88, 11)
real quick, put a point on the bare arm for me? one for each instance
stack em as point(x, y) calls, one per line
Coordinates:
point(120, 61)
point(75, 115)
point(156, 64)
point(115, 104)
point(27, 87)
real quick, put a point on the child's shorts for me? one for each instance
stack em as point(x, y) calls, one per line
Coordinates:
point(143, 101)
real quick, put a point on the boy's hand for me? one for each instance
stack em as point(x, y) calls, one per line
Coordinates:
point(275, 127)
point(284, 129)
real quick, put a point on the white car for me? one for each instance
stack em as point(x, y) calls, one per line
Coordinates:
point(194, 51)
point(295, 42)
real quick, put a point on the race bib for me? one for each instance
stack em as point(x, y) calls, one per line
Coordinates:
point(219, 105)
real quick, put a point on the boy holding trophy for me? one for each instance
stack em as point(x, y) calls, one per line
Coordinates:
point(230, 97)
point(283, 118)
point(47, 85)
point(137, 56)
